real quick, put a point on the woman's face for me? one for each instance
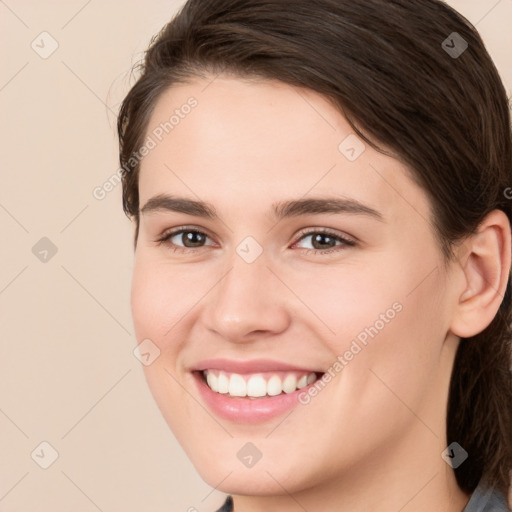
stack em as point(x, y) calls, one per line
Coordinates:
point(314, 256)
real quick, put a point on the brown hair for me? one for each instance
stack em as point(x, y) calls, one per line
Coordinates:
point(387, 66)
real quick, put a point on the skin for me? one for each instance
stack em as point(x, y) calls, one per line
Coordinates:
point(372, 438)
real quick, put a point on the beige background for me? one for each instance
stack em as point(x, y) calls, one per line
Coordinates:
point(67, 372)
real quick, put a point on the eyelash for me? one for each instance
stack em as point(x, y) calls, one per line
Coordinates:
point(176, 248)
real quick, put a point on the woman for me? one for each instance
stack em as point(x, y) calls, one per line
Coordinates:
point(323, 252)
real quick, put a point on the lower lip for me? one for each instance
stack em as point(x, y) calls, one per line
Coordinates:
point(247, 410)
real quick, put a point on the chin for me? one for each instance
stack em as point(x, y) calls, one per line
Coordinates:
point(249, 482)
point(263, 479)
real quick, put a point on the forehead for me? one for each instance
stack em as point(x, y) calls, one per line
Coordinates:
point(230, 140)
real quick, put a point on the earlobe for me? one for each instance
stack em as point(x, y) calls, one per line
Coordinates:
point(486, 271)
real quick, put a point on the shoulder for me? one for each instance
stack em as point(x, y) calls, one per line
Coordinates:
point(487, 499)
point(483, 499)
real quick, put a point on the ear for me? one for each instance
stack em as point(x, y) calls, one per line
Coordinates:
point(485, 268)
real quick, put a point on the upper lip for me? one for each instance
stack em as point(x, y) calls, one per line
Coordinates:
point(249, 366)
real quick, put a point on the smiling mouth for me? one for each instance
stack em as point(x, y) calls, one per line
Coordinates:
point(257, 385)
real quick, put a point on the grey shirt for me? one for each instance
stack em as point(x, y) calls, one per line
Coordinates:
point(483, 499)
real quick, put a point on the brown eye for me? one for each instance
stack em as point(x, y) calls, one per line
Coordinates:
point(192, 238)
point(325, 241)
point(183, 239)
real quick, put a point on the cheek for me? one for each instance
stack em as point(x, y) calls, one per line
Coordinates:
point(387, 316)
point(162, 299)
point(341, 301)
point(399, 360)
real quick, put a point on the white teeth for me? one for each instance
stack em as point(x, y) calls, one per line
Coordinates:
point(213, 381)
point(290, 384)
point(256, 385)
point(237, 385)
point(302, 382)
point(274, 386)
point(222, 383)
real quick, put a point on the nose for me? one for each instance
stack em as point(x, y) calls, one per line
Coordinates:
point(248, 303)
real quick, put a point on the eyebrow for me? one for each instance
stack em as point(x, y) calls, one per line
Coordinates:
point(280, 210)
